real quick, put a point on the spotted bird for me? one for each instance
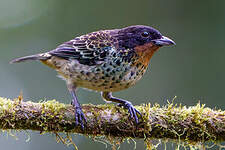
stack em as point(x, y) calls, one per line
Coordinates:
point(105, 61)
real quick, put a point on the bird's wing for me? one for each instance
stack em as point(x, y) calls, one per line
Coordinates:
point(88, 49)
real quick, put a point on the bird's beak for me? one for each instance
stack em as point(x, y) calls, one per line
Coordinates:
point(164, 41)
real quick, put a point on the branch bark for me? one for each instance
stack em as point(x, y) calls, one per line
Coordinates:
point(188, 124)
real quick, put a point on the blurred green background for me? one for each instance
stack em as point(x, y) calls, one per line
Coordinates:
point(193, 70)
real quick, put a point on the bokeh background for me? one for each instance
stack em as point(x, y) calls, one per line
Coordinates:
point(193, 70)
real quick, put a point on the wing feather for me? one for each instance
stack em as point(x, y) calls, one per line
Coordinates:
point(88, 49)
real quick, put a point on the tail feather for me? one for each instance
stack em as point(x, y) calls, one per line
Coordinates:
point(43, 56)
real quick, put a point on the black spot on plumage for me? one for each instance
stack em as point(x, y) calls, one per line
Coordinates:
point(104, 65)
point(118, 62)
point(98, 69)
point(117, 81)
point(82, 48)
point(89, 55)
point(126, 69)
point(95, 43)
point(115, 40)
point(103, 54)
point(96, 52)
point(82, 72)
point(93, 38)
point(108, 44)
point(138, 65)
point(87, 62)
point(114, 54)
point(107, 75)
point(106, 81)
point(130, 55)
point(91, 46)
point(102, 45)
point(108, 69)
point(88, 73)
point(103, 84)
point(79, 44)
point(118, 69)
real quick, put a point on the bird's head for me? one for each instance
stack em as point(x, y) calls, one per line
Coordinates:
point(139, 35)
point(144, 40)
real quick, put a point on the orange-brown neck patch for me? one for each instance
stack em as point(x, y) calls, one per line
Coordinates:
point(145, 52)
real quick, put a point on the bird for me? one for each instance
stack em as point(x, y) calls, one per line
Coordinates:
point(105, 61)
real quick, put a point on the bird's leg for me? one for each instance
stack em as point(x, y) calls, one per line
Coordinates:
point(133, 111)
point(79, 115)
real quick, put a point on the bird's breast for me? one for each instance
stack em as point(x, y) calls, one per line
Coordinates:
point(145, 52)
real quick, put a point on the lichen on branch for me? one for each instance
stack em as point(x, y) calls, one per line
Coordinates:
point(196, 124)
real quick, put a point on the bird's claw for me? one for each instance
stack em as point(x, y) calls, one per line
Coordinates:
point(132, 111)
point(79, 117)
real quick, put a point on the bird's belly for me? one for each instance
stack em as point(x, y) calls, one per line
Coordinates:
point(104, 77)
point(107, 82)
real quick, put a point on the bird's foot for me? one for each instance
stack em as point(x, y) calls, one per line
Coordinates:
point(132, 111)
point(80, 118)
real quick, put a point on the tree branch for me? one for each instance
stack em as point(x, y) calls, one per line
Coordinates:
point(192, 124)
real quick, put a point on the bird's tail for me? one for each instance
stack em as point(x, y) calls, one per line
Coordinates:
point(43, 56)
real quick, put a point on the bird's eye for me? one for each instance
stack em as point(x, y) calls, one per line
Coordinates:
point(145, 34)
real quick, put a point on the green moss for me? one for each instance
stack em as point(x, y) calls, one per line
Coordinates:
point(5, 104)
point(53, 105)
point(167, 119)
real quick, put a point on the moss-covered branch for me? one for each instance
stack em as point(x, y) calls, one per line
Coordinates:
point(192, 124)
